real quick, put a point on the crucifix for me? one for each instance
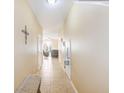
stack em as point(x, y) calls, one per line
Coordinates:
point(26, 33)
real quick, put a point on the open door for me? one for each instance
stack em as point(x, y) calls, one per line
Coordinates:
point(67, 57)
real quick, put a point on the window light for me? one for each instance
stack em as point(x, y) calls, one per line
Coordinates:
point(51, 2)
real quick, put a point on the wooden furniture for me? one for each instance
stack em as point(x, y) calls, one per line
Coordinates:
point(54, 53)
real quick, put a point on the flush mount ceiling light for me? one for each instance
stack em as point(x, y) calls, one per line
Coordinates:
point(51, 2)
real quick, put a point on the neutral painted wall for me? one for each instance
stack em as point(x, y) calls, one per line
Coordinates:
point(26, 60)
point(54, 43)
point(88, 28)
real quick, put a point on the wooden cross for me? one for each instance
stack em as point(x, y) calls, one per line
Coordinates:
point(26, 33)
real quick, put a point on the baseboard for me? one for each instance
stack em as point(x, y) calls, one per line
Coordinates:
point(73, 87)
point(70, 80)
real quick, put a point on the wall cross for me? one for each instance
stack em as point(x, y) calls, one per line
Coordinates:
point(26, 33)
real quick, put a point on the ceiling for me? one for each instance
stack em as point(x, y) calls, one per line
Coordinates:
point(51, 17)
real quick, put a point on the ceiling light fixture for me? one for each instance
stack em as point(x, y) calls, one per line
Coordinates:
point(51, 2)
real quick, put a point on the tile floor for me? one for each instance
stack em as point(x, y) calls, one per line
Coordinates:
point(53, 78)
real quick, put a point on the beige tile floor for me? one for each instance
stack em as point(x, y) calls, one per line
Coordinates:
point(53, 78)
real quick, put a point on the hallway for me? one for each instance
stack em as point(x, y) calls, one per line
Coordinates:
point(74, 33)
point(53, 78)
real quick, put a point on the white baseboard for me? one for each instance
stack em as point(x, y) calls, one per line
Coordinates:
point(74, 87)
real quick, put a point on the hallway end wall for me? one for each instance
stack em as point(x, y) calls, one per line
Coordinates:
point(25, 56)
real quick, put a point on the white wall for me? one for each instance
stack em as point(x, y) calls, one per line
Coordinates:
point(88, 28)
point(54, 43)
point(26, 59)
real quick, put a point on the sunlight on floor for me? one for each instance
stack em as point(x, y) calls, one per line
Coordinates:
point(53, 78)
point(47, 68)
